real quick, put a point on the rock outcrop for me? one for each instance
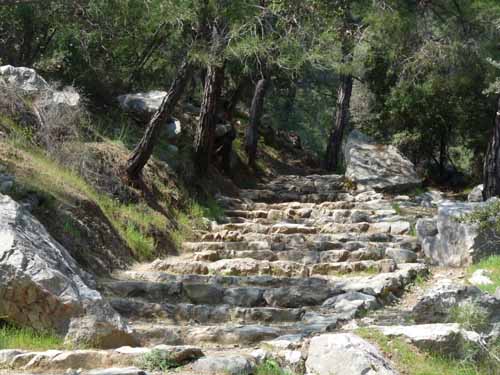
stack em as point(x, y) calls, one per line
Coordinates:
point(447, 339)
point(41, 285)
point(380, 167)
point(438, 303)
point(30, 82)
point(345, 353)
point(448, 241)
point(476, 195)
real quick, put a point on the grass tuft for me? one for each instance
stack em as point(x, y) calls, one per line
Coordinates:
point(12, 337)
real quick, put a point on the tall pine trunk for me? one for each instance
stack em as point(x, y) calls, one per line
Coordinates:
point(252, 133)
point(333, 151)
point(492, 162)
point(205, 131)
point(144, 149)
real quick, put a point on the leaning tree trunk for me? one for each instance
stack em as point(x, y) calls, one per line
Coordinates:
point(205, 131)
point(252, 133)
point(492, 162)
point(344, 92)
point(144, 149)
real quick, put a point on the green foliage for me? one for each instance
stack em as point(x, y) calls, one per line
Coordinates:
point(194, 216)
point(12, 337)
point(470, 316)
point(487, 217)
point(157, 360)
point(270, 367)
point(397, 208)
point(411, 361)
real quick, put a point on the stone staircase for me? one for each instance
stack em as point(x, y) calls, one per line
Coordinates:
point(298, 255)
point(293, 258)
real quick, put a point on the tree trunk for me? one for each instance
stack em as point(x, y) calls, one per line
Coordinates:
point(492, 162)
point(144, 149)
point(442, 154)
point(333, 150)
point(252, 133)
point(234, 99)
point(205, 131)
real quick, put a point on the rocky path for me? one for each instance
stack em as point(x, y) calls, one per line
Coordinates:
point(297, 256)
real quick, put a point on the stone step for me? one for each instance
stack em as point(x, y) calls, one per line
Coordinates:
point(184, 313)
point(292, 240)
point(300, 215)
point(161, 287)
point(358, 217)
point(247, 227)
point(300, 256)
point(209, 335)
point(300, 243)
point(59, 361)
point(247, 292)
point(278, 268)
point(270, 196)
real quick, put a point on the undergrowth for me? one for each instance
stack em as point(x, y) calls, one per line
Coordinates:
point(136, 223)
point(271, 367)
point(470, 316)
point(411, 361)
point(157, 360)
point(12, 337)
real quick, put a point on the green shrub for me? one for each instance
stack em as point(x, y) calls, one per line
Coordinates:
point(157, 360)
point(470, 316)
point(271, 367)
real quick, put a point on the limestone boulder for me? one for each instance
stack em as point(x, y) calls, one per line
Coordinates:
point(380, 167)
point(345, 353)
point(26, 79)
point(444, 338)
point(144, 104)
point(476, 195)
point(438, 303)
point(30, 82)
point(448, 241)
point(41, 285)
point(230, 365)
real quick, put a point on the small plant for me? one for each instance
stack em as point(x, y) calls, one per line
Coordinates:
point(487, 217)
point(470, 316)
point(420, 280)
point(271, 367)
point(70, 228)
point(397, 208)
point(413, 230)
point(157, 360)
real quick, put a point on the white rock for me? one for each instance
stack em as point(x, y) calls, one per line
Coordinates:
point(444, 338)
point(26, 79)
point(41, 285)
point(30, 82)
point(380, 167)
point(447, 241)
point(345, 353)
point(147, 102)
point(476, 195)
point(481, 277)
point(230, 365)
